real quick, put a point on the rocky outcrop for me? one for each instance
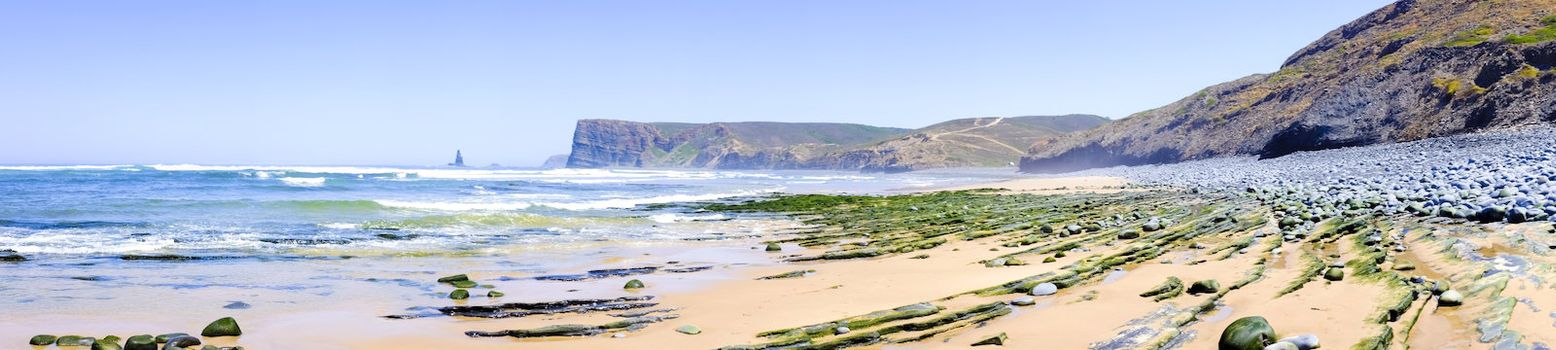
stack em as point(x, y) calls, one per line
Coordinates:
point(977, 142)
point(1409, 71)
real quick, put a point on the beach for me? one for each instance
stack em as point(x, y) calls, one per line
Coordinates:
point(935, 268)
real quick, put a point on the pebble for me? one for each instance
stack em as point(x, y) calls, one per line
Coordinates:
point(1302, 341)
point(1024, 301)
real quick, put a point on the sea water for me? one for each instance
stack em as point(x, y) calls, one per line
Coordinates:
point(308, 249)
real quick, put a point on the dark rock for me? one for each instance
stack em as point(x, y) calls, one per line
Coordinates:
point(1247, 333)
point(74, 340)
point(454, 278)
point(140, 342)
point(1334, 274)
point(459, 294)
point(163, 338)
point(633, 284)
point(180, 342)
point(237, 305)
point(42, 339)
point(494, 294)
point(774, 247)
point(1204, 287)
point(223, 327)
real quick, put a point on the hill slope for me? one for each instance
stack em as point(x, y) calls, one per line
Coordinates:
point(766, 145)
point(1408, 71)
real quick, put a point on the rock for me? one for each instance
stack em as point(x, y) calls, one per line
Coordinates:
point(1045, 289)
point(11, 256)
point(1302, 341)
point(774, 247)
point(842, 330)
point(223, 327)
point(107, 343)
point(210, 347)
point(163, 338)
point(459, 294)
point(1403, 266)
point(1450, 298)
point(237, 305)
point(74, 340)
point(1128, 234)
point(998, 339)
point(494, 294)
point(689, 330)
point(1049, 260)
point(1205, 287)
point(1247, 333)
point(140, 342)
point(1282, 346)
point(633, 284)
point(995, 262)
point(180, 342)
point(1023, 301)
point(42, 339)
point(1015, 262)
point(463, 284)
point(451, 279)
point(1334, 274)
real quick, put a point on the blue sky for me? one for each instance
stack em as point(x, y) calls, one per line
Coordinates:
point(407, 82)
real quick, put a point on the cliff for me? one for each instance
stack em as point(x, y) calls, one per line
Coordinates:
point(764, 145)
point(1408, 71)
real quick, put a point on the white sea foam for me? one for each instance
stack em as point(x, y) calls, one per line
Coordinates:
point(620, 203)
point(454, 206)
point(303, 181)
point(339, 225)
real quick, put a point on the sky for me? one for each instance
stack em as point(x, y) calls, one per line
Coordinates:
point(387, 82)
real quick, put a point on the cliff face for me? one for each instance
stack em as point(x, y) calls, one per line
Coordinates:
point(762, 145)
point(1411, 70)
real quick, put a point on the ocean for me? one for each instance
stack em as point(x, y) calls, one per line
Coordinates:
point(92, 210)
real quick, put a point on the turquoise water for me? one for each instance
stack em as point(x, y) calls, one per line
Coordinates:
point(83, 211)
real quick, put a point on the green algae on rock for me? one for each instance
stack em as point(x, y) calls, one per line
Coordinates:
point(223, 327)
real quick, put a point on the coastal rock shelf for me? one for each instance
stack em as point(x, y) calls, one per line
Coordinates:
point(508, 310)
point(1385, 277)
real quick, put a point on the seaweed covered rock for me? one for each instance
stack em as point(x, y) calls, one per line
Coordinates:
point(1334, 274)
point(459, 294)
point(223, 327)
point(140, 342)
point(1247, 333)
point(997, 339)
point(494, 294)
point(463, 284)
point(452, 279)
point(74, 340)
point(42, 339)
point(1205, 287)
point(1170, 288)
point(689, 330)
point(774, 247)
point(163, 338)
point(633, 284)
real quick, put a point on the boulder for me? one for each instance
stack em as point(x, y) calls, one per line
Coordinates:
point(689, 330)
point(1247, 333)
point(223, 327)
point(1045, 289)
point(633, 284)
point(181, 342)
point(774, 247)
point(451, 279)
point(140, 342)
point(107, 343)
point(459, 294)
point(1450, 298)
point(42, 339)
point(1334, 274)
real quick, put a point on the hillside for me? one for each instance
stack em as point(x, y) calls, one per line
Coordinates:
point(1409, 71)
point(766, 145)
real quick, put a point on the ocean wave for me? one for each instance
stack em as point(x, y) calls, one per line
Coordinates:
point(454, 206)
point(670, 218)
point(303, 181)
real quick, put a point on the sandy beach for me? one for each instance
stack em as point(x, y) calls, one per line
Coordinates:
point(1099, 309)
